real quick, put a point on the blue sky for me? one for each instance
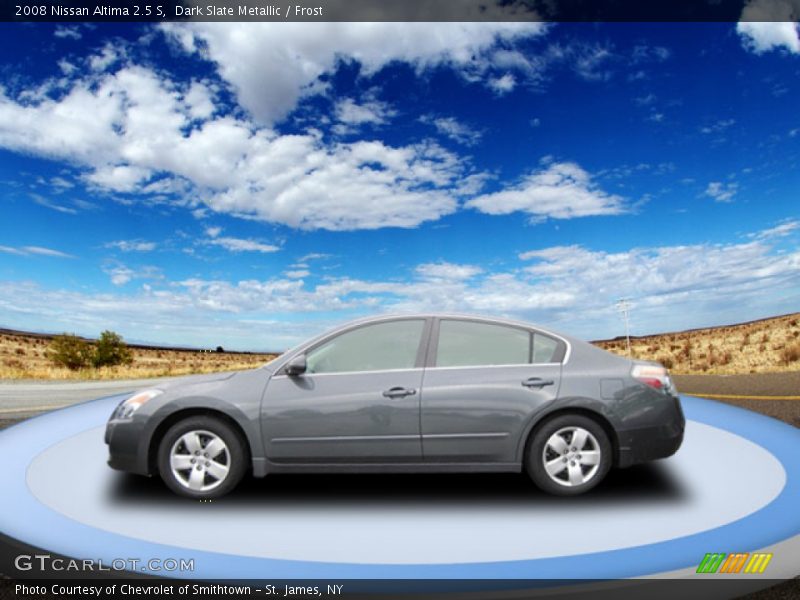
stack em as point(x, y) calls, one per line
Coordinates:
point(250, 184)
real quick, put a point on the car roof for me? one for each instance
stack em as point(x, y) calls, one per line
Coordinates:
point(454, 315)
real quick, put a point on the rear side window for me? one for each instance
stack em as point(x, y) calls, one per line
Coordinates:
point(469, 343)
point(544, 349)
point(378, 347)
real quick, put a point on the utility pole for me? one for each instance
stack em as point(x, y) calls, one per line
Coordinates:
point(624, 307)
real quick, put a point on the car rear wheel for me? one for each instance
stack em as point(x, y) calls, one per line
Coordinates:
point(201, 457)
point(568, 455)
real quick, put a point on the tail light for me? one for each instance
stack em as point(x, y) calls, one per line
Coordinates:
point(655, 376)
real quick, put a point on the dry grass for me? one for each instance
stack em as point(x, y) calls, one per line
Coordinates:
point(766, 346)
point(24, 357)
point(769, 345)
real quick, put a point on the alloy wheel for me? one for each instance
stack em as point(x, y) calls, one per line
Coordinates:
point(571, 456)
point(200, 460)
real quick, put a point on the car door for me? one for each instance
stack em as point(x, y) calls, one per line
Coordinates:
point(358, 400)
point(483, 382)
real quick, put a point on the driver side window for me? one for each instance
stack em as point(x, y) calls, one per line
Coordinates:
point(378, 347)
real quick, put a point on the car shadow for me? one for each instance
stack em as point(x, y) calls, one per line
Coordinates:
point(648, 483)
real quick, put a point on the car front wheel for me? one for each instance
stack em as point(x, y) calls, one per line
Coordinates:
point(569, 455)
point(201, 457)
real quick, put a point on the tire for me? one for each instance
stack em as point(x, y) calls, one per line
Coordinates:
point(583, 468)
point(188, 470)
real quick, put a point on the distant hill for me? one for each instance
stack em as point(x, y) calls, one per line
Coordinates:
point(762, 346)
point(23, 355)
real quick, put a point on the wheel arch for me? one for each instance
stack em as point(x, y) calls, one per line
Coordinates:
point(584, 411)
point(185, 413)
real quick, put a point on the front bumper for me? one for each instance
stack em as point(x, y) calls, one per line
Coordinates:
point(123, 438)
point(644, 444)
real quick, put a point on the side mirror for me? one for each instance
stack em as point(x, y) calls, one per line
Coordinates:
point(296, 366)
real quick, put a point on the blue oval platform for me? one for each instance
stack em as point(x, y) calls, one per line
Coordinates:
point(734, 486)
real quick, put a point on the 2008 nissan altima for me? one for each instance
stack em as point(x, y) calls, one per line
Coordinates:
point(411, 393)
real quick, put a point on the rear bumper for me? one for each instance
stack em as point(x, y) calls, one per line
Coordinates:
point(650, 443)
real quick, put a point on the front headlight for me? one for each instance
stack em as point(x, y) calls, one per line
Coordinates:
point(126, 409)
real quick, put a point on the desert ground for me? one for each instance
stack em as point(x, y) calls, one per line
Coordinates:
point(765, 346)
point(24, 356)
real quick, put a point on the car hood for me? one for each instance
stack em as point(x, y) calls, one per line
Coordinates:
point(192, 380)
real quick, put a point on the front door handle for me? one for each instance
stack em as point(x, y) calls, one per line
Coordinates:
point(537, 382)
point(399, 392)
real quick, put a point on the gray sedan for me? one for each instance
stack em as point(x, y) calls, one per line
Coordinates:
point(411, 393)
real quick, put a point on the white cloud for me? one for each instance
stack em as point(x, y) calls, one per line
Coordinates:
point(199, 101)
point(454, 129)
point(67, 32)
point(271, 66)
point(644, 53)
point(447, 271)
point(645, 100)
point(373, 112)
point(313, 256)
point(701, 277)
point(35, 250)
point(721, 192)
point(569, 287)
point(122, 178)
point(781, 230)
point(559, 191)
point(233, 244)
point(126, 126)
point(718, 126)
point(61, 183)
point(42, 201)
point(108, 55)
point(504, 84)
point(67, 68)
point(132, 245)
point(121, 274)
point(590, 62)
point(770, 25)
point(242, 245)
point(297, 274)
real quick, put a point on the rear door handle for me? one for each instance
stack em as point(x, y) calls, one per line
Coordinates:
point(537, 382)
point(399, 392)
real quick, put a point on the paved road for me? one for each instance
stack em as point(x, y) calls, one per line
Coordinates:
point(23, 398)
point(755, 384)
point(752, 392)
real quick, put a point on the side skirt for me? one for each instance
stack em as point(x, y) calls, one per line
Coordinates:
point(262, 467)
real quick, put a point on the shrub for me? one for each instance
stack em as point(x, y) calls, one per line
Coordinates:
point(790, 353)
point(110, 350)
point(13, 363)
point(70, 351)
